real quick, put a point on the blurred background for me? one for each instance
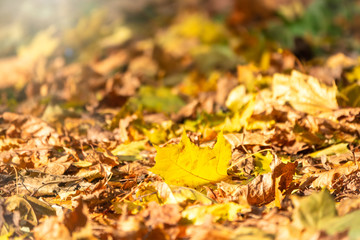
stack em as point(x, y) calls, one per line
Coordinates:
point(48, 49)
point(20, 21)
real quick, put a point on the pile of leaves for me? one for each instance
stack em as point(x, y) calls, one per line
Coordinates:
point(191, 120)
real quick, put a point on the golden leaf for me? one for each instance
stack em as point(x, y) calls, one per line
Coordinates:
point(186, 164)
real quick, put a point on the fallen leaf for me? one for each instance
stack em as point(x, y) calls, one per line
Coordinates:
point(237, 98)
point(331, 177)
point(131, 207)
point(349, 223)
point(337, 149)
point(159, 99)
point(68, 225)
point(263, 189)
point(240, 119)
point(305, 93)
point(165, 214)
point(184, 194)
point(314, 211)
point(27, 212)
point(130, 151)
point(52, 228)
point(27, 127)
point(185, 164)
point(219, 212)
point(130, 228)
point(42, 184)
point(249, 138)
point(262, 163)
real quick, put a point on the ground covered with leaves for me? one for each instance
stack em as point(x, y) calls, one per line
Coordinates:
point(162, 119)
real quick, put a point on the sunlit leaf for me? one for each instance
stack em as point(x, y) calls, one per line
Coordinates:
point(318, 212)
point(225, 211)
point(237, 98)
point(179, 195)
point(305, 93)
point(82, 164)
point(329, 177)
point(249, 76)
point(148, 193)
point(186, 164)
point(156, 135)
point(130, 151)
point(337, 149)
point(354, 74)
point(240, 118)
point(267, 187)
point(183, 194)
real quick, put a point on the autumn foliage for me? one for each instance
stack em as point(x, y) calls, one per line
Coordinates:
point(162, 119)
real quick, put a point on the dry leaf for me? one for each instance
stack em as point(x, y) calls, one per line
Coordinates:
point(332, 176)
point(305, 93)
point(262, 190)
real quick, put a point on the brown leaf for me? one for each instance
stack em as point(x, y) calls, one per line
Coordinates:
point(59, 166)
point(331, 177)
point(260, 9)
point(52, 228)
point(233, 192)
point(242, 161)
point(27, 127)
point(37, 183)
point(68, 225)
point(76, 219)
point(223, 88)
point(187, 111)
point(249, 138)
point(167, 214)
point(111, 62)
point(112, 100)
point(130, 228)
point(285, 172)
point(261, 190)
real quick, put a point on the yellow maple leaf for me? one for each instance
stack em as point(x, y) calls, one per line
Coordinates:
point(186, 164)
